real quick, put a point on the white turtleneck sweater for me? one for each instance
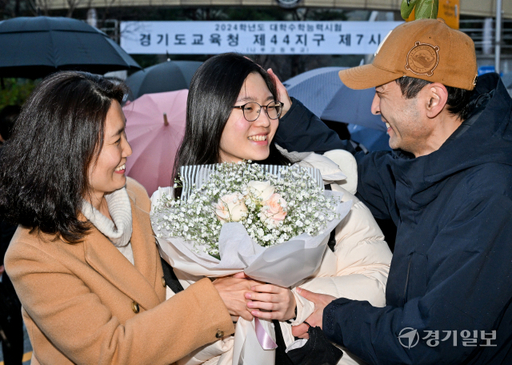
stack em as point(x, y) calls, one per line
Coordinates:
point(119, 229)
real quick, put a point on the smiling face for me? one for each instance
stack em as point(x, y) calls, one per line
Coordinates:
point(107, 172)
point(243, 140)
point(406, 127)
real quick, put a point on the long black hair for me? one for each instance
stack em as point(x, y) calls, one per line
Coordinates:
point(44, 166)
point(213, 91)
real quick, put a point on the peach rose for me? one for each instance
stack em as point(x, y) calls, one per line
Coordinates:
point(231, 208)
point(273, 211)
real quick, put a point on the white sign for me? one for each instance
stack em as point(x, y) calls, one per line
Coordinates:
point(253, 37)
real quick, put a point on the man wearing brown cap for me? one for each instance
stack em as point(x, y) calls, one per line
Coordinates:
point(447, 185)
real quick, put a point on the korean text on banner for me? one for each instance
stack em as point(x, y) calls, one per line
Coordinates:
point(253, 37)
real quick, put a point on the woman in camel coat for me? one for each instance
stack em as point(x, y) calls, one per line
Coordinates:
point(84, 261)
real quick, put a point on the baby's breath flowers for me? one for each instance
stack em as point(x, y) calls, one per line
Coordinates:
point(273, 209)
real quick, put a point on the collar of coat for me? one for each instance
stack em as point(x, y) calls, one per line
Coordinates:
point(143, 285)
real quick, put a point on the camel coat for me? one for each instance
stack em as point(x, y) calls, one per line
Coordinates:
point(85, 303)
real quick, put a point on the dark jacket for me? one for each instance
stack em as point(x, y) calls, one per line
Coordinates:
point(451, 273)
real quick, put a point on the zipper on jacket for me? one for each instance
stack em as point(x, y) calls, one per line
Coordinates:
point(407, 280)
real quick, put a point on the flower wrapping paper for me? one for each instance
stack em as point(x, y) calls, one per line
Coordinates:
point(285, 264)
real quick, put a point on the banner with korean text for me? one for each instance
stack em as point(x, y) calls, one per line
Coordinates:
point(254, 37)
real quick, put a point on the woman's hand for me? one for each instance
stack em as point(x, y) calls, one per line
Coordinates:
point(232, 290)
point(269, 301)
point(282, 93)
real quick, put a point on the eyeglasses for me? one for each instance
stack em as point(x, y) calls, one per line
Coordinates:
point(252, 110)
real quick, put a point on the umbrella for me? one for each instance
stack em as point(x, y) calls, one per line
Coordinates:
point(372, 139)
point(165, 76)
point(507, 80)
point(155, 125)
point(322, 92)
point(34, 47)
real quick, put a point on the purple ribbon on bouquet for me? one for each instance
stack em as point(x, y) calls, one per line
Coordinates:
point(265, 340)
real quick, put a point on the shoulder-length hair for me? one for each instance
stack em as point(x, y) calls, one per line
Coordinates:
point(44, 166)
point(213, 91)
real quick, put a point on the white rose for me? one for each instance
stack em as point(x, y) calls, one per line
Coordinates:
point(260, 190)
point(231, 208)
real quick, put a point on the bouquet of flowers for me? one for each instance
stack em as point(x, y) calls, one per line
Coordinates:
point(244, 216)
point(272, 222)
point(272, 208)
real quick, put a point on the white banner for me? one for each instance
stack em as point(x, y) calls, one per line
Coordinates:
point(253, 37)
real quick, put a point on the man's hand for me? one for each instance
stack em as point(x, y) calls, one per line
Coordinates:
point(315, 320)
point(282, 93)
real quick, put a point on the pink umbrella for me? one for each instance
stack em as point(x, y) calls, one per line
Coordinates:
point(155, 125)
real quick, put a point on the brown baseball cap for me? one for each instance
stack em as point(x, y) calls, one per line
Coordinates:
point(426, 49)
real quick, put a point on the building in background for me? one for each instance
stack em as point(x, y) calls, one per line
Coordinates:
point(475, 17)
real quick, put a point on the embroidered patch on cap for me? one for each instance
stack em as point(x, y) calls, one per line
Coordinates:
point(422, 59)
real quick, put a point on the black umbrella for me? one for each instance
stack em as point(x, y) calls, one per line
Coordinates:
point(37, 46)
point(165, 76)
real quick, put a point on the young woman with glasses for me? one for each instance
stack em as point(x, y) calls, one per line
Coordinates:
point(233, 112)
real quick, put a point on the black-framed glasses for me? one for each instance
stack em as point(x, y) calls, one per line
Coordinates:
point(252, 110)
